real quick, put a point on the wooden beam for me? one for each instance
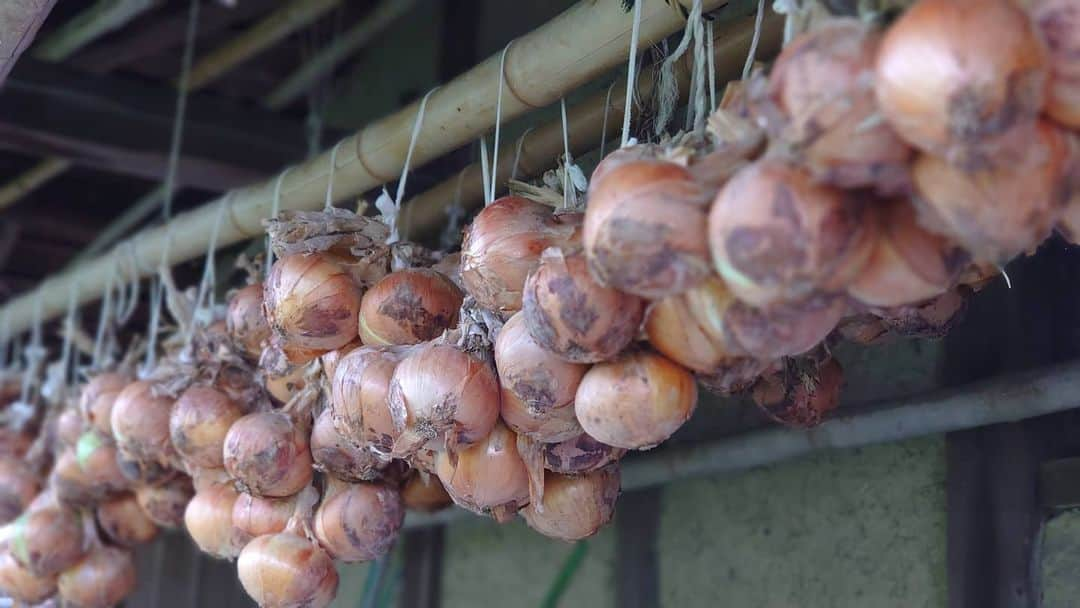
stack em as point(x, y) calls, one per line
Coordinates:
point(19, 23)
point(101, 18)
point(29, 181)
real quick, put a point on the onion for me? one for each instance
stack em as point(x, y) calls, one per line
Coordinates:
point(408, 307)
point(538, 387)
point(863, 328)
point(997, 211)
point(258, 516)
point(69, 427)
point(209, 520)
point(439, 391)
point(124, 522)
point(488, 477)
point(450, 267)
point(103, 579)
point(776, 236)
point(802, 393)
point(635, 401)
point(267, 454)
point(98, 396)
point(331, 359)
point(575, 506)
point(15, 442)
point(359, 522)
point(18, 487)
point(311, 304)
point(245, 321)
point(199, 422)
point(336, 455)
point(358, 395)
point(140, 424)
point(1059, 22)
point(88, 473)
point(503, 245)
point(144, 473)
point(283, 387)
point(287, 570)
point(47, 539)
point(424, 493)
point(165, 504)
point(571, 315)
point(18, 583)
point(822, 88)
point(689, 327)
point(734, 376)
point(582, 454)
point(645, 227)
point(931, 319)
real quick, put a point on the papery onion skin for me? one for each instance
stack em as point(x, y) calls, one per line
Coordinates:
point(359, 522)
point(18, 487)
point(258, 516)
point(503, 245)
point(1000, 211)
point(282, 387)
point(124, 522)
point(575, 506)
point(570, 314)
point(635, 401)
point(582, 454)
point(776, 236)
point(488, 477)
point(734, 376)
point(339, 456)
point(425, 493)
point(287, 570)
point(47, 540)
point(98, 396)
point(103, 579)
point(245, 321)
point(953, 76)
point(311, 304)
point(409, 306)
point(267, 454)
point(331, 359)
point(208, 518)
point(140, 424)
point(22, 585)
point(538, 387)
point(799, 397)
point(358, 395)
point(644, 229)
point(1059, 22)
point(199, 422)
point(165, 504)
point(931, 319)
point(863, 328)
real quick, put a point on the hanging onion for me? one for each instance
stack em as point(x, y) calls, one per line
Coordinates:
point(644, 229)
point(359, 522)
point(165, 504)
point(88, 473)
point(245, 321)
point(312, 305)
point(635, 401)
point(488, 477)
point(331, 359)
point(140, 424)
point(863, 328)
point(267, 454)
point(124, 522)
point(18, 486)
point(209, 520)
point(408, 307)
point(103, 579)
point(582, 454)
point(69, 427)
point(538, 387)
point(341, 457)
point(439, 391)
point(776, 236)
point(98, 396)
point(47, 539)
point(358, 395)
point(424, 493)
point(21, 585)
point(503, 245)
point(802, 393)
point(575, 506)
point(1059, 22)
point(199, 422)
point(258, 516)
point(689, 327)
point(285, 386)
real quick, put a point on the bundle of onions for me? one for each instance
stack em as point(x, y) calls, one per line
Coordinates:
point(488, 477)
point(198, 424)
point(258, 516)
point(358, 395)
point(820, 102)
point(503, 245)
point(267, 454)
point(21, 585)
point(18, 487)
point(124, 522)
point(359, 522)
point(802, 393)
point(140, 425)
point(209, 520)
point(245, 321)
point(644, 228)
point(339, 456)
point(311, 304)
point(424, 493)
point(408, 307)
point(573, 316)
point(102, 579)
point(331, 359)
point(47, 539)
point(776, 236)
point(954, 77)
point(538, 387)
point(581, 454)
point(931, 319)
point(99, 395)
point(69, 427)
point(1000, 209)
point(1059, 22)
point(165, 504)
point(635, 401)
point(575, 506)
point(438, 391)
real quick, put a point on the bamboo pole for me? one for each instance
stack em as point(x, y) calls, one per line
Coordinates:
point(585, 41)
point(536, 149)
point(1004, 399)
point(100, 19)
point(29, 181)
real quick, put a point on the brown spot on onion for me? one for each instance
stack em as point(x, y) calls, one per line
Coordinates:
point(359, 522)
point(124, 522)
point(581, 454)
point(408, 307)
point(267, 454)
point(165, 504)
point(199, 422)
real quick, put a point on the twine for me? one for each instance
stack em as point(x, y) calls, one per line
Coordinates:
point(498, 121)
point(631, 69)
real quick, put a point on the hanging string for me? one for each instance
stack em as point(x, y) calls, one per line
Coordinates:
point(5, 339)
point(125, 310)
point(517, 153)
point(205, 297)
point(567, 161)
point(498, 122)
point(754, 41)
point(631, 68)
point(391, 209)
point(712, 66)
point(700, 62)
point(275, 208)
point(103, 320)
point(603, 126)
point(32, 353)
point(181, 108)
point(330, 179)
point(485, 172)
point(69, 330)
point(667, 88)
point(157, 291)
